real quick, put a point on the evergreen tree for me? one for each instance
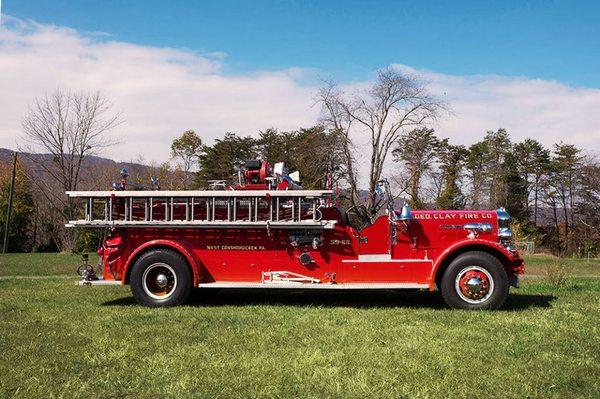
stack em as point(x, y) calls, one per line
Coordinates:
point(486, 164)
point(275, 146)
point(316, 155)
point(588, 209)
point(222, 159)
point(452, 160)
point(416, 151)
point(534, 166)
point(515, 199)
point(313, 151)
point(476, 164)
point(562, 189)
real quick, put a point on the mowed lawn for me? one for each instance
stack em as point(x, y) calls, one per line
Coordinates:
point(42, 264)
point(60, 340)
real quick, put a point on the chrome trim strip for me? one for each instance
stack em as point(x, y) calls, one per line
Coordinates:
point(374, 257)
point(372, 260)
point(302, 286)
point(479, 227)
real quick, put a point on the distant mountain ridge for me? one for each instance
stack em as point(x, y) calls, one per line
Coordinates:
point(6, 155)
point(92, 166)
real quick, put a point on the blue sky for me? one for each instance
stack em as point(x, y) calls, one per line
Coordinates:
point(552, 40)
point(245, 66)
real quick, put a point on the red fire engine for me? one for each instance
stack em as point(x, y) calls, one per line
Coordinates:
point(267, 232)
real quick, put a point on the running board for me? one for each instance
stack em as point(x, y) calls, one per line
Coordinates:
point(322, 286)
point(290, 285)
point(100, 282)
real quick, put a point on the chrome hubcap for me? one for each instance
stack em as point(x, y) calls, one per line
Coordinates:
point(162, 280)
point(474, 284)
point(159, 280)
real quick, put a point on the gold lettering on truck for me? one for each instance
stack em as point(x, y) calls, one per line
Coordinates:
point(450, 216)
point(236, 247)
point(339, 242)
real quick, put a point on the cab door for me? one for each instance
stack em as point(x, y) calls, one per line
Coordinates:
point(374, 263)
point(409, 250)
point(375, 239)
point(386, 256)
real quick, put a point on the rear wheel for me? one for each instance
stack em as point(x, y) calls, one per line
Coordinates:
point(475, 280)
point(160, 278)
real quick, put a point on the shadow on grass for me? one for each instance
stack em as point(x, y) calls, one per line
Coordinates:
point(355, 298)
point(526, 301)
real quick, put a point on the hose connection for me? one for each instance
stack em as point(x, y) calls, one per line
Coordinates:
point(86, 271)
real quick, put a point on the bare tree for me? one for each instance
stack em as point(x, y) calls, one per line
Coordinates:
point(334, 117)
point(69, 126)
point(391, 104)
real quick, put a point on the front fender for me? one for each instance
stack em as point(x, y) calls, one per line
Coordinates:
point(178, 247)
point(506, 257)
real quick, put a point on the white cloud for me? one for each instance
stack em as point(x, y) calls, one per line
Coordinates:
point(164, 91)
point(160, 91)
point(545, 110)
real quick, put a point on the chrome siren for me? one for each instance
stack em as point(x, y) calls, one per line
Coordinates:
point(405, 213)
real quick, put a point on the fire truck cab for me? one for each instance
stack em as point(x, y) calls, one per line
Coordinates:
point(266, 232)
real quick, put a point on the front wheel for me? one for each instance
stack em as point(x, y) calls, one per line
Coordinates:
point(160, 278)
point(475, 280)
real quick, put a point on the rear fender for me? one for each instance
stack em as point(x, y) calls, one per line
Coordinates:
point(178, 247)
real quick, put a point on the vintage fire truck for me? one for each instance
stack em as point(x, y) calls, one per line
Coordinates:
point(267, 232)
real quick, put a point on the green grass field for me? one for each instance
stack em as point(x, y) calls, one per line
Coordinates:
point(41, 264)
point(60, 340)
point(537, 265)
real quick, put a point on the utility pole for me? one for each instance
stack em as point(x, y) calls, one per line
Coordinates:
point(10, 200)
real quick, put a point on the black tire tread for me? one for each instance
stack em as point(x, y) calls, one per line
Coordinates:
point(185, 279)
point(499, 285)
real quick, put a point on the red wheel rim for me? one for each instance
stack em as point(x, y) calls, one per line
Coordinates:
point(474, 284)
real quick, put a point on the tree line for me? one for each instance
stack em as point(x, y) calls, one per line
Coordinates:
point(552, 194)
point(364, 134)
